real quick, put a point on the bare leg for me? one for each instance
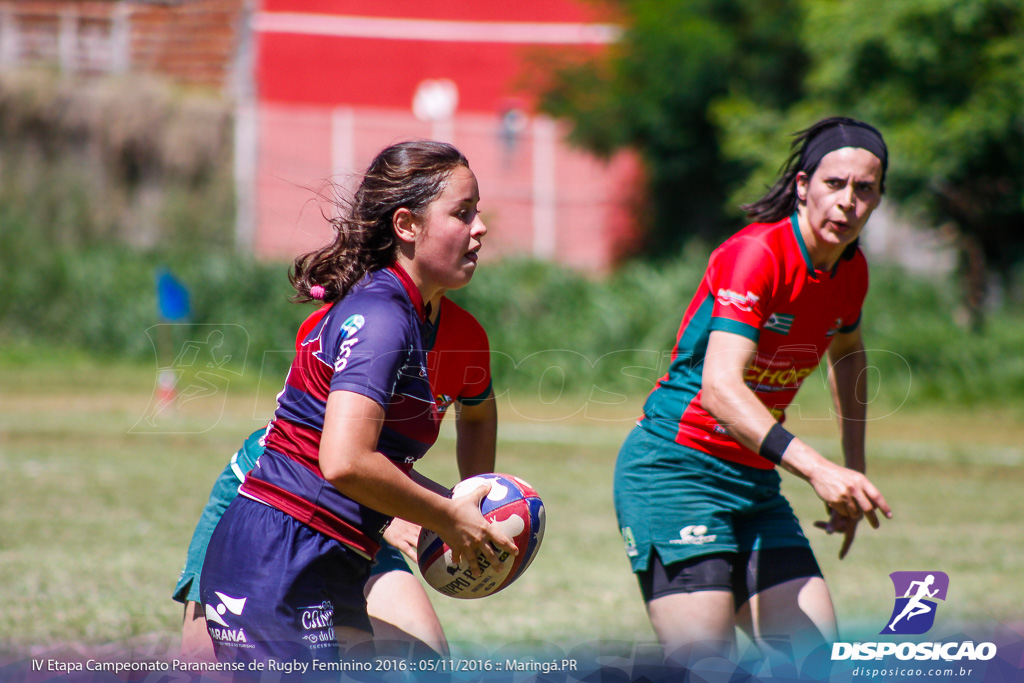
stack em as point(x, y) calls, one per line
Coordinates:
point(789, 620)
point(349, 638)
point(694, 625)
point(401, 611)
point(196, 644)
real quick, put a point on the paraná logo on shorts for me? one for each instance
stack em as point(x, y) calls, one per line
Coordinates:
point(216, 617)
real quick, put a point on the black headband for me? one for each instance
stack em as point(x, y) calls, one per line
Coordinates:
point(846, 134)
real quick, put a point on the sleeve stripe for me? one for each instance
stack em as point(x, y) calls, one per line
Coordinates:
point(847, 329)
point(478, 399)
point(735, 327)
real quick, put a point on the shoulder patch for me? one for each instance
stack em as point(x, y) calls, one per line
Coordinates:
point(744, 302)
point(352, 324)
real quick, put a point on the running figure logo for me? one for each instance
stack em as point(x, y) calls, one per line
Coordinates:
point(916, 595)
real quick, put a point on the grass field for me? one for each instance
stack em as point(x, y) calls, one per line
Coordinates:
point(97, 506)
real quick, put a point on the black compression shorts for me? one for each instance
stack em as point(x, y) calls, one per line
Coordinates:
point(744, 574)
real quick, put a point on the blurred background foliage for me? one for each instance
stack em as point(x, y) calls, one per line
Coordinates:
point(553, 331)
point(103, 183)
point(653, 91)
point(127, 159)
point(705, 90)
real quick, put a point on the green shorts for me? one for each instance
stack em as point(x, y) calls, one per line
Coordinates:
point(683, 503)
point(225, 489)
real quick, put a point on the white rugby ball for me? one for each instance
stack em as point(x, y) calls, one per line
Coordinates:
point(515, 507)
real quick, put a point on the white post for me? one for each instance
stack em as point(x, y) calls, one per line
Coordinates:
point(436, 101)
point(343, 153)
point(67, 42)
point(246, 158)
point(343, 135)
point(246, 134)
point(8, 38)
point(545, 192)
point(121, 39)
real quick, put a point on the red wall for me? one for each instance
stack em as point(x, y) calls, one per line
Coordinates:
point(321, 62)
point(522, 10)
point(384, 72)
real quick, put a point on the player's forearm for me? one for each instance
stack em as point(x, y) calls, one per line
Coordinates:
point(349, 460)
point(735, 407)
point(476, 430)
point(373, 480)
point(746, 419)
point(848, 382)
point(805, 462)
point(726, 396)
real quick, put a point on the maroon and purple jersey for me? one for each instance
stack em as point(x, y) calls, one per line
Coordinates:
point(371, 342)
point(760, 284)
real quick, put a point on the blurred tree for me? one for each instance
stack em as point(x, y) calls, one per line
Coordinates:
point(652, 90)
point(944, 81)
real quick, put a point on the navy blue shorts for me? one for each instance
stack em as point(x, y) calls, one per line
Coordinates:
point(225, 489)
point(272, 588)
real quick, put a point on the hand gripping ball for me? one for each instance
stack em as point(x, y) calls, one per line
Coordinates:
point(516, 508)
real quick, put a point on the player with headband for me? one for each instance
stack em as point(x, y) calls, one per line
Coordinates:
point(713, 542)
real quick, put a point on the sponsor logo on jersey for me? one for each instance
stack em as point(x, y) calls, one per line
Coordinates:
point(443, 401)
point(352, 324)
point(696, 534)
point(779, 322)
point(913, 613)
point(217, 621)
point(744, 302)
point(349, 328)
point(344, 353)
point(318, 623)
point(767, 379)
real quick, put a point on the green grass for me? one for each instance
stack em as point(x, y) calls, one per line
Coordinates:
point(97, 511)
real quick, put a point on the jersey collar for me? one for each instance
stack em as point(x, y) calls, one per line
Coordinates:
point(806, 254)
point(411, 289)
point(431, 328)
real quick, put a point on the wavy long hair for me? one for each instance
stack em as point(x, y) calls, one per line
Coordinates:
point(407, 175)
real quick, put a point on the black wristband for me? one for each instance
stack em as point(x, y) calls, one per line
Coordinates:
point(775, 443)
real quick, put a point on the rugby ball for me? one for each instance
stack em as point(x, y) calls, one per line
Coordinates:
point(515, 507)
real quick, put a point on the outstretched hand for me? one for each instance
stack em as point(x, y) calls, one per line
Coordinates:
point(848, 496)
point(849, 492)
point(839, 524)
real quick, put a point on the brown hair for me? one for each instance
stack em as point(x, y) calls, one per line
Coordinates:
point(407, 175)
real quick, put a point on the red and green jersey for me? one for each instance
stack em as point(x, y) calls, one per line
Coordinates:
point(759, 284)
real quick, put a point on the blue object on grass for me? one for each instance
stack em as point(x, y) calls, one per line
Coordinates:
point(172, 297)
